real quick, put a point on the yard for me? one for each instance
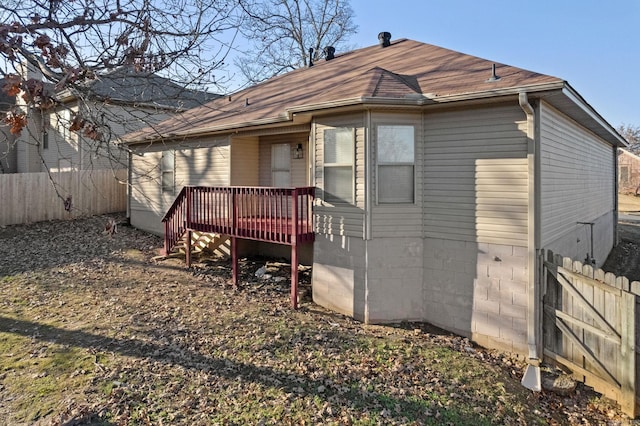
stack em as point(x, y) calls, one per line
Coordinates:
point(93, 331)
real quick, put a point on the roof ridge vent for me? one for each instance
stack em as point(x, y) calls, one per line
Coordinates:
point(384, 38)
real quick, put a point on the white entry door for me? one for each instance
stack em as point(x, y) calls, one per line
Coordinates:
point(281, 165)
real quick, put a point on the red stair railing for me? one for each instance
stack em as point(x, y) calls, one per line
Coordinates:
point(278, 215)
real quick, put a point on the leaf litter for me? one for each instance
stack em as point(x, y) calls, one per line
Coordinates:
point(93, 331)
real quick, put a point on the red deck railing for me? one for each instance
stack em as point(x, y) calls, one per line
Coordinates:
point(278, 215)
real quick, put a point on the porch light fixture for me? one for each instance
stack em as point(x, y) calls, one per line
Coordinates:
point(297, 153)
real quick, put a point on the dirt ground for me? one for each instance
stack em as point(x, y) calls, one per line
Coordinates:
point(624, 259)
point(95, 332)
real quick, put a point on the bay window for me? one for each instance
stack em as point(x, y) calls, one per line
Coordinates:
point(338, 165)
point(396, 164)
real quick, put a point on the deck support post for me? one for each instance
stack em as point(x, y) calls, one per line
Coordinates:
point(234, 260)
point(294, 276)
point(187, 248)
point(294, 249)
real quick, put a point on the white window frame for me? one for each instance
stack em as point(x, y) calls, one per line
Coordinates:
point(165, 158)
point(383, 159)
point(327, 197)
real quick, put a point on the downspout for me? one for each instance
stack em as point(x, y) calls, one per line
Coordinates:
point(129, 184)
point(531, 378)
point(367, 209)
point(616, 188)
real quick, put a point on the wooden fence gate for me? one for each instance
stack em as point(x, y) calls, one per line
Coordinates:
point(590, 325)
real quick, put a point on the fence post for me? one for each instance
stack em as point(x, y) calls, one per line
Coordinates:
point(628, 355)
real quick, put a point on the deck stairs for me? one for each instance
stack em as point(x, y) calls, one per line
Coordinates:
point(204, 243)
point(214, 218)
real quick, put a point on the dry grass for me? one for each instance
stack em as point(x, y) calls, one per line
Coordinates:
point(103, 335)
point(628, 203)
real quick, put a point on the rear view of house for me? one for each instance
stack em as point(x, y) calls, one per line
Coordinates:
point(437, 177)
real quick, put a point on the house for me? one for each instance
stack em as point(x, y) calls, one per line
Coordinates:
point(628, 172)
point(438, 177)
point(118, 102)
point(7, 140)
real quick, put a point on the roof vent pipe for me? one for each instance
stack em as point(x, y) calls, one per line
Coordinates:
point(494, 76)
point(384, 38)
point(329, 52)
point(311, 56)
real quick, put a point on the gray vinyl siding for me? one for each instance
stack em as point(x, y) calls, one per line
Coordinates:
point(8, 157)
point(68, 148)
point(474, 176)
point(28, 153)
point(340, 219)
point(146, 195)
point(206, 165)
point(397, 220)
point(298, 166)
point(244, 161)
point(63, 148)
point(577, 185)
point(121, 119)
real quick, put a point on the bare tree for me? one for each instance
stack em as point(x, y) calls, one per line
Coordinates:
point(81, 73)
point(52, 50)
point(632, 135)
point(287, 34)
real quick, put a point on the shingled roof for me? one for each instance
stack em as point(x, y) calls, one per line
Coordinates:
point(406, 72)
point(126, 85)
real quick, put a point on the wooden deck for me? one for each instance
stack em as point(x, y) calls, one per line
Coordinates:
point(261, 229)
point(274, 215)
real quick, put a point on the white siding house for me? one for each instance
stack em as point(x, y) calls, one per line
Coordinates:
point(119, 102)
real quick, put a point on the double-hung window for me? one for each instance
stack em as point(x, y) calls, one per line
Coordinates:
point(167, 171)
point(338, 165)
point(396, 164)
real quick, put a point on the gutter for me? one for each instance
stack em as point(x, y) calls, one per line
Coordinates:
point(531, 378)
point(570, 93)
point(291, 113)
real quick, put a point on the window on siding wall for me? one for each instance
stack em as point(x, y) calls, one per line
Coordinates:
point(624, 174)
point(338, 165)
point(396, 164)
point(167, 170)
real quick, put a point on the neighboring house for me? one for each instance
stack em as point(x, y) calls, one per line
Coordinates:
point(122, 101)
point(439, 176)
point(628, 172)
point(7, 140)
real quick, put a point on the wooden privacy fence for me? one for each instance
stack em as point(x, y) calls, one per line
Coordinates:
point(34, 197)
point(591, 326)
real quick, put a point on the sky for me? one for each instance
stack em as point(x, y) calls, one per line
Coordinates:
point(592, 44)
